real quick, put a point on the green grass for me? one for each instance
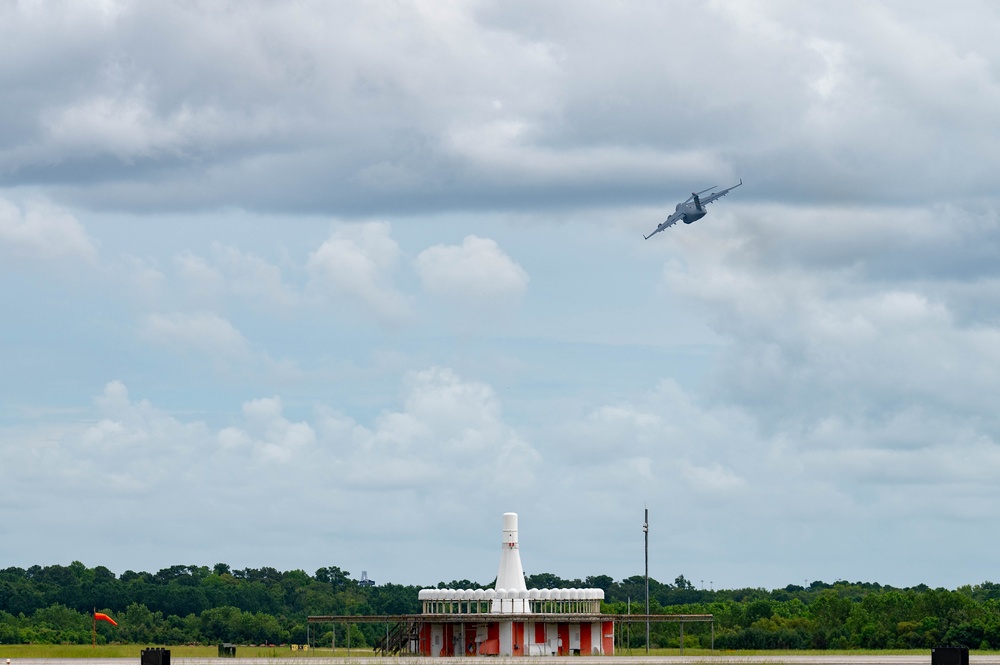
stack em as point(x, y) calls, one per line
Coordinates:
point(641, 651)
point(13, 651)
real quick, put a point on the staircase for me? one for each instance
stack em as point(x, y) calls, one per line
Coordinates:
point(399, 639)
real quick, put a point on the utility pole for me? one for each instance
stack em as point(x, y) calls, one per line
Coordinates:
point(645, 531)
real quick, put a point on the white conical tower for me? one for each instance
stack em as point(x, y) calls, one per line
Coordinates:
point(510, 577)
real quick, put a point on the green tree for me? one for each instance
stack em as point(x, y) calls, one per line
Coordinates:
point(10, 633)
point(139, 624)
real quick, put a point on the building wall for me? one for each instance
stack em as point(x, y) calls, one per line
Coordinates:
point(506, 638)
point(608, 637)
point(518, 638)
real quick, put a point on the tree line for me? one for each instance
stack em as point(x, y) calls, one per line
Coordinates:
point(201, 605)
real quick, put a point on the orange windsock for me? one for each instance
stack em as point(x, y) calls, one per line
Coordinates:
point(101, 616)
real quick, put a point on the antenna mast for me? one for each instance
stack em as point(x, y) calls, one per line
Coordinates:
point(645, 532)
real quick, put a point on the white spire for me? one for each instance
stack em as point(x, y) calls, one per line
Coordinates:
point(510, 576)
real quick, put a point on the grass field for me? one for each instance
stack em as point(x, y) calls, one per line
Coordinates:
point(13, 651)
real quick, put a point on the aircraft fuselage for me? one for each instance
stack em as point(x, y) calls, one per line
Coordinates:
point(692, 212)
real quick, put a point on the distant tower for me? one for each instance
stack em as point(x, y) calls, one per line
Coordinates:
point(510, 577)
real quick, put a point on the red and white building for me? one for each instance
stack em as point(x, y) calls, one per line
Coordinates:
point(512, 620)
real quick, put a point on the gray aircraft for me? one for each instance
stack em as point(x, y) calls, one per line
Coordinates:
point(693, 208)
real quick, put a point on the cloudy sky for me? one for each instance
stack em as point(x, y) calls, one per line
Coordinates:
point(307, 284)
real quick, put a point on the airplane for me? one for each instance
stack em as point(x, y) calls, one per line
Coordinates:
point(693, 208)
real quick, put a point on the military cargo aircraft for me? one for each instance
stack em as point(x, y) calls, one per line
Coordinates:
point(693, 208)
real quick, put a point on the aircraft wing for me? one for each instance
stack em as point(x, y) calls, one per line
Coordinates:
point(719, 194)
point(670, 221)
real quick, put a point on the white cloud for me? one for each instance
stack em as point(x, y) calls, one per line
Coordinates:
point(448, 428)
point(503, 104)
point(253, 278)
point(355, 266)
point(147, 281)
point(205, 332)
point(845, 309)
point(665, 436)
point(232, 272)
point(846, 354)
point(506, 151)
point(203, 280)
point(43, 231)
point(128, 448)
point(452, 429)
point(271, 437)
point(126, 127)
point(478, 270)
point(713, 480)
